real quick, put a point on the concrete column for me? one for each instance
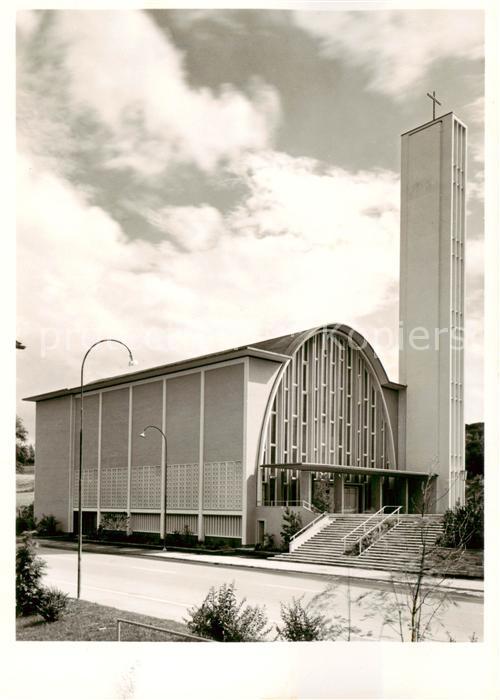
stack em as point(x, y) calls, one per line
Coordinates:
point(305, 486)
point(201, 458)
point(376, 492)
point(402, 493)
point(338, 492)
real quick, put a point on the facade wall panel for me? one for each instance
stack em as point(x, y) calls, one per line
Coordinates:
point(52, 473)
point(114, 438)
point(183, 419)
point(222, 525)
point(90, 431)
point(224, 414)
point(147, 409)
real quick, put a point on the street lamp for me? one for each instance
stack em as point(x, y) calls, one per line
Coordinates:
point(131, 363)
point(143, 435)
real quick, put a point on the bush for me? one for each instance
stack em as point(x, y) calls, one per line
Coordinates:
point(221, 618)
point(182, 539)
point(301, 625)
point(29, 571)
point(25, 519)
point(292, 523)
point(463, 526)
point(48, 525)
point(268, 545)
point(52, 604)
point(114, 526)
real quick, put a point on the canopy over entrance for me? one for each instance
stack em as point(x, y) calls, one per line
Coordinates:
point(343, 469)
point(344, 489)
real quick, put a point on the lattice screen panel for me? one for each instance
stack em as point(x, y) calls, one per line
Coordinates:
point(114, 487)
point(89, 488)
point(146, 487)
point(182, 486)
point(222, 486)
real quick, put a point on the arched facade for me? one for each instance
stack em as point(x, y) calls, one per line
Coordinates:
point(327, 407)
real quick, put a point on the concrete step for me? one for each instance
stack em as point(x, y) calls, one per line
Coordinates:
point(398, 549)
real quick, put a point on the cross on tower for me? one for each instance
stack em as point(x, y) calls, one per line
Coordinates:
point(434, 101)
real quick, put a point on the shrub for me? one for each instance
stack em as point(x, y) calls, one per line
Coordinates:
point(300, 624)
point(48, 525)
point(221, 618)
point(463, 526)
point(292, 523)
point(52, 604)
point(268, 544)
point(29, 571)
point(113, 526)
point(182, 539)
point(25, 519)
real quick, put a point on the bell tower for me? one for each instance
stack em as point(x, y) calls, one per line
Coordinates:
point(433, 189)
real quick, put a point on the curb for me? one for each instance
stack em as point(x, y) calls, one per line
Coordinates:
point(385, 579)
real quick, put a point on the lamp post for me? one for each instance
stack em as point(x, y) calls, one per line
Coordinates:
point(143, 435)
point(131, 363)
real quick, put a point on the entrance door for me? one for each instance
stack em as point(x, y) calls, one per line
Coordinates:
point(261, 531)
point(351, 499)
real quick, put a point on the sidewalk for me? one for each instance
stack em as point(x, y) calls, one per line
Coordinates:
point(474, 587)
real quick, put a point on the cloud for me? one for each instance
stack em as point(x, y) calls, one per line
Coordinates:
point(395, 48)
point(246, 277)
point(126, 74)
point(193, 228)
point(27, 22)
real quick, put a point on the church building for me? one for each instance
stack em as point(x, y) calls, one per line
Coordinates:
point(308, 420)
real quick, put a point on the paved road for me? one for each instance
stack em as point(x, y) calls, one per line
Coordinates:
point(166, 589)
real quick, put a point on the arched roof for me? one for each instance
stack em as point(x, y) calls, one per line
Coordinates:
point(289, 344)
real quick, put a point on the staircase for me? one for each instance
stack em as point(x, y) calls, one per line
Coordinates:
point(397, 550)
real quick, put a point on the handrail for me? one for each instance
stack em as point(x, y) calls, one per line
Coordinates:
point(311, 507)
point(121, 620)
point(306, 527)
point(293, 504)
point(373, 515)
point(389, 515)
point(396, 511)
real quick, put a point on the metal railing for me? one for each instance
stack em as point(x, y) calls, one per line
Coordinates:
point(314, 522)
point(281, 504)
point(165, 630)
point(368, 530)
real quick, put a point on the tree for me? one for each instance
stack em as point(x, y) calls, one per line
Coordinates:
point(474, 449)
point(221, 618)
point(415, 601)
point(29, 571)
point(463, 526)
point(292, 523)
point(25, 454)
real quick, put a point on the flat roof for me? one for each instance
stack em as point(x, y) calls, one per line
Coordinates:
point(434, 121)
point(278, 350)
point(171, 368)
point(343, 469)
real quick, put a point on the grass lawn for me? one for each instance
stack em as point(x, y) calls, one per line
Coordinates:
point(25, 494)
point(90, 622)
point(24, 498)
point(25, 482)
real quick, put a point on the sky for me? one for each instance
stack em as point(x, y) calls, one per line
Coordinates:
point(193, 180)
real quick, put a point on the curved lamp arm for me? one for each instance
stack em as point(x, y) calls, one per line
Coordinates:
point(131, 361)
point(143, 435)
point(154, 427)
point(80, 514)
